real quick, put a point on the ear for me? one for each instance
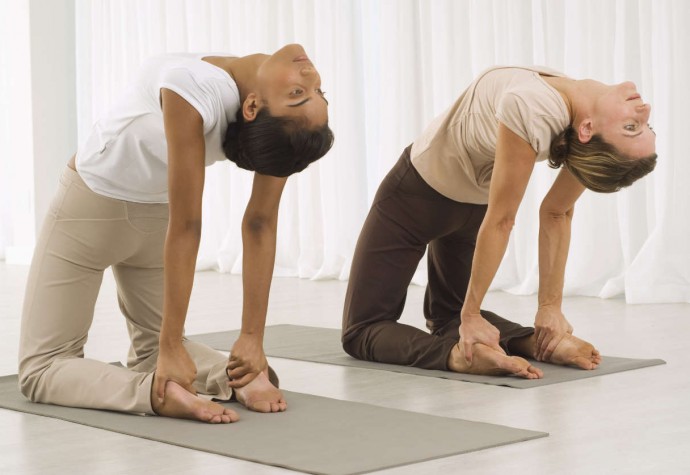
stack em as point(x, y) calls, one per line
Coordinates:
point(584, 131)
point(251, 107)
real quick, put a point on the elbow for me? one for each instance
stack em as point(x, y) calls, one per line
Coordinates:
point(502, 224)
point(554, 215)
point(185, 227)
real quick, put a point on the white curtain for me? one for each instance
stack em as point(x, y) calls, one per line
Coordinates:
point(389, 67)
point(16, 144)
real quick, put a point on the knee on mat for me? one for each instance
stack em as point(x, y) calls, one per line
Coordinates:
point(28, 381)
point(351, 346)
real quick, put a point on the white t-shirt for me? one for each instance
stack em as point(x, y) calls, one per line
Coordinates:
point(455, 153)
point(126, 154)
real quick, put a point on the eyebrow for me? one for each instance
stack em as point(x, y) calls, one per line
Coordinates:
point(633, 136)
point(300, 103)
point(306, 100)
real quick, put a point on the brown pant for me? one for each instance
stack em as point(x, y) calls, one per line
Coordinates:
point(406, 216)
point(83, 234)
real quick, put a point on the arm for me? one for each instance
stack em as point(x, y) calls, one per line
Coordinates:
point(186, 149)
point(555, 217)
point(512, 169)
point(259, 229)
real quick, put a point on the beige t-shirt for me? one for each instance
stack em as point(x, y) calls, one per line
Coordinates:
point(455, 153)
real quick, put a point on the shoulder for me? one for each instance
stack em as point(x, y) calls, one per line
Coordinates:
point(206, 87)
point(190, 72)
point(533, 110)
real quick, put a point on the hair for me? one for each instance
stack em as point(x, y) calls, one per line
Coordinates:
point(276, 146)
point(597, 164)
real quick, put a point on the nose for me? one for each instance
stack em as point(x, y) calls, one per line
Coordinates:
point(307, 71)
point(645, 110)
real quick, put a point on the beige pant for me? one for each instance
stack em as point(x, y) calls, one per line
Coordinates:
point(83, 234)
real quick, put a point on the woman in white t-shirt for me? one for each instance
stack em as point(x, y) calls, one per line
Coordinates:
point(131, 200)
point(455, 192)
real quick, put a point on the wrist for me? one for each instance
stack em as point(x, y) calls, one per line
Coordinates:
point(549, 306)
point(169, 342)
point(252, 334)
point(550, 298)
point(470, 314)
point(472, 304)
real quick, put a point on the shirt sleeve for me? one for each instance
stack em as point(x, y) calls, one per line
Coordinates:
point(515, 114)
point(534, 116)
point(199, 95)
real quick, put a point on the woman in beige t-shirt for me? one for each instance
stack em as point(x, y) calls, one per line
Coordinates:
point(457, 190)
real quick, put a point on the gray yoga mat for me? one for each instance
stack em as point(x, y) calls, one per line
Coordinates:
point(315, 435)
point(322, 345)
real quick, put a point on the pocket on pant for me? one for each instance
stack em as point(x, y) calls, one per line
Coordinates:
point(148, 218)
point(149, 225)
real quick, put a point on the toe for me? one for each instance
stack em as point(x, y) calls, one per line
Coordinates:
point(205, 416)
point(511, 365)
point(231, 415)
point(536, 372)
point(524, 373)
point(520, 367)
point(261, 406)
point(584, 363)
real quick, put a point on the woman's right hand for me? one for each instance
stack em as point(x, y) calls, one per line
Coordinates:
point(475, 329)
point(174, 364)
point(550, 326)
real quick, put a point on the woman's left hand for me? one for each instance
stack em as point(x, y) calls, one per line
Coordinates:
point(247, 360)
point(550, 327)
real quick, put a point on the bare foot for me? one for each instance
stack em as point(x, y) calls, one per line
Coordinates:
point(261, 396)
point(491, 362)
point(182, 404)
point(572, 351)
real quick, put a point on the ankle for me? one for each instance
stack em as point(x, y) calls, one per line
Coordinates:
point(523, 346)
point(456, 359)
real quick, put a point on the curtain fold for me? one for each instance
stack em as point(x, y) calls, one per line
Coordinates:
point(389, 67)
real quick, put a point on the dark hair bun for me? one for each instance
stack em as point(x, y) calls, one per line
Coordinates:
point(275, 146)
point(560, 147)
point(232, 147)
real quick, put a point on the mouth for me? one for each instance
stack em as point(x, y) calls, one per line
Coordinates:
point(633, 97)
point(301, 58)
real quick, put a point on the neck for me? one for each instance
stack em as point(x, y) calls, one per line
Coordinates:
point(564, 86)
point(581, 95)
point(243, 71)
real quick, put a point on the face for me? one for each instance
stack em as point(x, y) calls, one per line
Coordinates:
point(290, 85)
point(622, 119)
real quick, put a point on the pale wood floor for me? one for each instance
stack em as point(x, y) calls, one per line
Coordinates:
point(633, 422)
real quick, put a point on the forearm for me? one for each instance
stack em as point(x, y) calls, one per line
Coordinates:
point(181, 247)
point(554, 242)
point(492, 242)
point(259, 249)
